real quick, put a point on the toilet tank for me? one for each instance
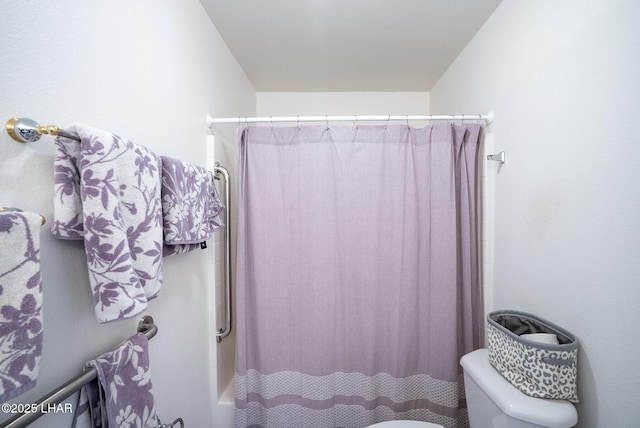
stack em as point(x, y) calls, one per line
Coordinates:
point(494, 403)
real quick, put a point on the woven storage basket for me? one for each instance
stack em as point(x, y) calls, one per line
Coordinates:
point(537, 369)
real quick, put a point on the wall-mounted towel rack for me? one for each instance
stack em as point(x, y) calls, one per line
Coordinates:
point(43, 220)
point(221, 171)
point(25, 130)
point(57, 396)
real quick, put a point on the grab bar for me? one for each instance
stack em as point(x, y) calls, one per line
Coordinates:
point(220, 170)
point(55, 397)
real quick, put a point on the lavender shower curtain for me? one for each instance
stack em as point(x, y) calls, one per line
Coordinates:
point(357, 274)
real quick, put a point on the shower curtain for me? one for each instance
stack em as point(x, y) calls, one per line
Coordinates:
point(357, 274)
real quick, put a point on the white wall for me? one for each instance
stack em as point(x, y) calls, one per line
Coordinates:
point(149, 71)
point(562, 78)
point(342, 103)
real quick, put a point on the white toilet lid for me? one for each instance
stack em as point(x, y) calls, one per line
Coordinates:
point(405, 424)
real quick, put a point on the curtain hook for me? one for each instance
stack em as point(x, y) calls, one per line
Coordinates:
point(407, 116)
point(298, 123)
point(387, 124)
point(326, 119)
point(271, 121)
point(355, 135)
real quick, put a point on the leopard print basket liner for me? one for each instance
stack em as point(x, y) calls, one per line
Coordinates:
point(537, 369)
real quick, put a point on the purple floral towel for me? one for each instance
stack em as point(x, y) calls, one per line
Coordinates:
point(121, 396)
point(190, 205)
point(20, 303)
point(107, 192)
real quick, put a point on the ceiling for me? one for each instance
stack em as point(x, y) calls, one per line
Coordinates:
point(346, 45)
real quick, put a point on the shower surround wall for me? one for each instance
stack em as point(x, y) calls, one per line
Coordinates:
point(150, 71)
point(562, 80)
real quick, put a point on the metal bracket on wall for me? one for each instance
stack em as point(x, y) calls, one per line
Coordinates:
point(500, 157)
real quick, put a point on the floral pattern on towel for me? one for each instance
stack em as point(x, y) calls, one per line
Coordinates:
point(107, 192)
point(190, 205)
point(20, 303)
point(122, 395)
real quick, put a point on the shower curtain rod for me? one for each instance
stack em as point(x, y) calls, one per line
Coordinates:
point(488, 118)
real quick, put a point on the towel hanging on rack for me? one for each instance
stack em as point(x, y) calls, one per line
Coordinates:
point(21, 296)
point(56, 396)
point(107, 192)
point(190, 205)
point(122, 393)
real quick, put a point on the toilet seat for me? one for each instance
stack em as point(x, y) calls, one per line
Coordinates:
point(404, 424)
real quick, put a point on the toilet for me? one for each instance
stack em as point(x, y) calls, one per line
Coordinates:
point(404, 424)
point(493, 402)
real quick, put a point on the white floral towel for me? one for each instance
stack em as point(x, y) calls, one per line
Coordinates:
point(20, 303)
point(107, 192)
point(190, 205)
point(122, 395)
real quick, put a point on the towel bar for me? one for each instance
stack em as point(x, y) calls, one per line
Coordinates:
point(145, 325)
